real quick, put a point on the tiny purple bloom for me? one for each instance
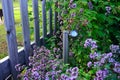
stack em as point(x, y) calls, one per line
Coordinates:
point(90, 5)
point(89, 64)
point(75, 69)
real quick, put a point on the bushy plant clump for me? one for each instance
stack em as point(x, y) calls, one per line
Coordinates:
point(107, 65)
point(93, 19)
point(97, 19)
point(44, 65)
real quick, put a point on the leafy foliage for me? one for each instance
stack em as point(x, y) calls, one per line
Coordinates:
point(94, 20)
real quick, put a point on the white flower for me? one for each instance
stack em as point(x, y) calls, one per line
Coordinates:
point(73, 33)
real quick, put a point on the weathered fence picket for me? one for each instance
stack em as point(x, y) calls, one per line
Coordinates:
point(1, 78)
point(11, 35)
point(50, 20)
point(26, 30)
point(36, 22)
point(65, 46)
point(55, 18)
point(5, 69)
point(44, 21)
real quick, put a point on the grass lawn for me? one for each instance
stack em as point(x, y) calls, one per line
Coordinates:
point(18, 26)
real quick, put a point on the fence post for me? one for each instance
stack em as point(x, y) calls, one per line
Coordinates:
point(50, 20)
point(7, 6)
point(65, 46)
point(56, 18)
point(44, 20)
point(1, 78)
point(36, 22)
point(25, 27)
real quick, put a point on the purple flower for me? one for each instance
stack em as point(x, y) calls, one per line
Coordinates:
point(72, 5)
point(109, 54)
point(71, 1)
point(25, 78)
point(58, 72)
point(81, 10)
point(111, 60)
point(118, 77)
point(93, 45)
point(87, 43)
point(54, 67)
point(47, 78)
point(64, 77)
point(69, 70)
point(90, 5)
point(53, 72)
point(117, 65)
point(108, 8)
point(48, 73)
point(35, 73)
point(103, 60)
point(18, 67)
point(74, 74)
point(89, 64)
point(53, 77)
point(73, 15)
point(94, 55)
point(105, 73)
point(98, 78)
point(75, 69)
point(90, 43)
point(97, 64)
point(117, 70)
point(114, 48)
point(72, 78)
point(101, 74)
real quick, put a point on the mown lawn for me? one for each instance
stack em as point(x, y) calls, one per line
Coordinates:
point(18, 26)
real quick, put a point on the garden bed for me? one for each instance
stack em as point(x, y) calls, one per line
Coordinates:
point(94, 53)
point(90, 48)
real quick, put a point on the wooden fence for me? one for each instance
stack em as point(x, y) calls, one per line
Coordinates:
point(7, 65)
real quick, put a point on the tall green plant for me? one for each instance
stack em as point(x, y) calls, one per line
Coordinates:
point(97, 19)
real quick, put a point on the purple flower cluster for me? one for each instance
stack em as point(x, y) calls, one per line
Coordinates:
point(72, 74)
point(101, 74)
point(89, 64)
point(90, 5)
point(81, 10)
point(114, 48)
point(108, 9)
point(19, 67)
point(117, 67)
point(103, 59)
point(41, 63)
point(72, 5)
point(71, 1)
point(73, 15)
point(106, 61)
point(93, 55)
point(90, 43)
point(56, 50)
point(45, 66)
